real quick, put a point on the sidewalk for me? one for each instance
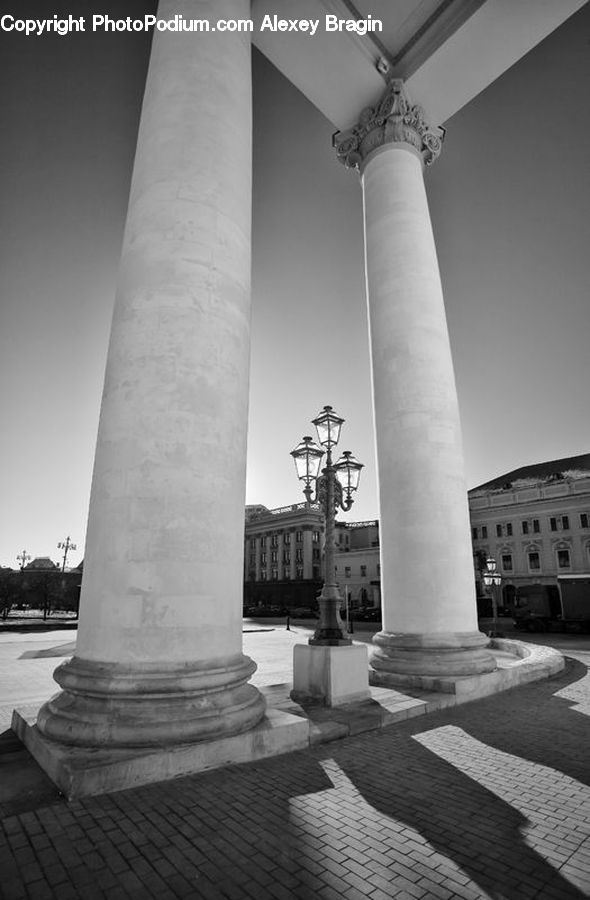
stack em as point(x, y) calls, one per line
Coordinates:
point(489, 799)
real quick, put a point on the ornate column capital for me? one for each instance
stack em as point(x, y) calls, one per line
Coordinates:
point(393, 120)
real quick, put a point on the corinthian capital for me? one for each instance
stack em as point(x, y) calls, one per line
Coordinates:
point(393, 120)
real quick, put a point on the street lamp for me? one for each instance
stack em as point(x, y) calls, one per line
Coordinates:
point(23, 558)
point(333, 490)
point(493, 579)
point(66, 546)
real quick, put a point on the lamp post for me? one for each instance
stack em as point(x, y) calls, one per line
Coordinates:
point(333, 490)
point(23, 558)
point(66, 546)
point(493, 579)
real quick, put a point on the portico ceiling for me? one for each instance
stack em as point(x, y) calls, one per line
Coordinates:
point(446, 50)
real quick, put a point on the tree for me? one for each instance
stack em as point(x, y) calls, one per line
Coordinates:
point(10, 590)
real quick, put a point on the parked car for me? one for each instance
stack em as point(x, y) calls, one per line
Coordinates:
point(304, 612)
point(274, 612)
point(366, 614)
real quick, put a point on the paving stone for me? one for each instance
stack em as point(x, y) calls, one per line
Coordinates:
point(482, 800)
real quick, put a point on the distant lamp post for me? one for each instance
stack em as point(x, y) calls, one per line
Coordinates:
point(66, 546)
point(493, 579)
point(23, 558)
point(333, 490)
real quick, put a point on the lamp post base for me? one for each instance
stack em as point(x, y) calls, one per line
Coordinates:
point(329, 632)
point(330, 675)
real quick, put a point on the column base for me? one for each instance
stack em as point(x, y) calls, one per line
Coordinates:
point(330, 675)
point(83, 772)
point(445, 654)
point(150, 705)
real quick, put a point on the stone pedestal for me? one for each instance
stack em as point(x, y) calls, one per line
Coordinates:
point(159, 653)
point(331, 676)
point(428, 588)
point(83, 771)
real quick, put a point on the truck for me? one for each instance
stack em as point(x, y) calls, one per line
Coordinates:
point(547, 607)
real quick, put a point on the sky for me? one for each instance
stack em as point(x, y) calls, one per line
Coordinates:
point(509, 206)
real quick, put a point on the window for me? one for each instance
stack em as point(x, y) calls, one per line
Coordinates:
point(378, 569)
point(563, 559)
point(536, 526)
point(363, 571)
point(507, 562)
point(498, 531)
point(316, 573)
point(287, 537)
point(299, 555)
point(275, 574)
point(274, 541)
point(315, 537)
point(299, 537)
point(252, 543)
point(287, 574)
point(263, 559)
point(559, 523)
point(299, 572)
point(263, 576)
point(484, 532)
point(252, 559)
point(286, 557)
point(273, 556)
point(509, 529)
point(316, 553)
point(525, 527)
point(583, 520)
point(347, 571)
point(474, 533)
point(534, 560)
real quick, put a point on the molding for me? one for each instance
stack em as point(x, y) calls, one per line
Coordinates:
point(394, 120)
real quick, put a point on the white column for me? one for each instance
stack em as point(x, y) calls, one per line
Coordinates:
point(161, 611)
point(428, 592)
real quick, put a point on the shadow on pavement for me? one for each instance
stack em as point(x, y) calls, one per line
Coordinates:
point(554, 733)
point(24, 786)
point(483, 834)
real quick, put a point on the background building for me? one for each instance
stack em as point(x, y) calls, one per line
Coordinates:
point(358, 569)
point(283, 555)
point(535, 521)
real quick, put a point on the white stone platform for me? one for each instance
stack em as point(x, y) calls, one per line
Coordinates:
point(517, 663)
point(80, 772)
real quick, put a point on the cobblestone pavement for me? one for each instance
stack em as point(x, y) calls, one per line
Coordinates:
point(486, 800)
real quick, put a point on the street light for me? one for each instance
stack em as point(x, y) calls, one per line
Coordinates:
point(493, 579)
point(23, 558)
point(66, 546)
point(333, 490)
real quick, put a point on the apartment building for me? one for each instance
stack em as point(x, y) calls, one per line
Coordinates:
point(283, 555)
point(535, 521)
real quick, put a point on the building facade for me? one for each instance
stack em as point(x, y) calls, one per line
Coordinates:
point(535, 522)
point(284, 557)
point(283, 553)
point(358, 567)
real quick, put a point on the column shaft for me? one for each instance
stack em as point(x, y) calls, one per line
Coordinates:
point(428, 591)
point(427, 567)
point(161, 611)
